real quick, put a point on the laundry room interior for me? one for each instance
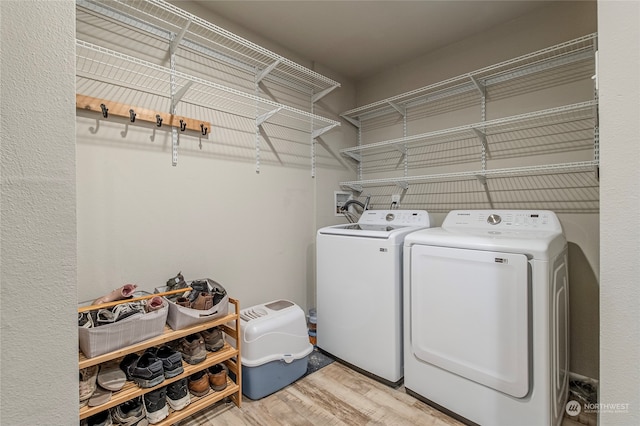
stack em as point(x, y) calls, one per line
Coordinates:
point(523, 108)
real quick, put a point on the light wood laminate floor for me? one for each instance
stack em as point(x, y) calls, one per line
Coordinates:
point(334, 395)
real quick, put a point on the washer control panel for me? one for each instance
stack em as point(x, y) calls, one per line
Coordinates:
point(539, 220)
point(395, 217)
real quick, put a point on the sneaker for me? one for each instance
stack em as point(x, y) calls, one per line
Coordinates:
point(199, 383)
point(147, 371)
point(218, 377)
point(171, 360)
point(87, 387)
point(102, 418)
point(155, 404)
point(178, 394)
point(192, 348)
point(129, 413)
point(203, 302)
point(213, 339)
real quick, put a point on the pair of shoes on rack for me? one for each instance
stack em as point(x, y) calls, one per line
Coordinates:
point(153, 366)
point(212, 378)
point(97, 383)
point(213, 339)
point(193, 348)
point(178, 394)
point(155, 405)
point(175, 395)
point(129, 413)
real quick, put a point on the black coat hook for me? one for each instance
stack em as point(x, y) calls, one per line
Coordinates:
point(158, 120)
point(183, 125)
point(105, 110)
point(204, 130)
point(132, 116)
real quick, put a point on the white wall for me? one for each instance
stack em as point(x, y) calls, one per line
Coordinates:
point(619, 80)
point(39, 356)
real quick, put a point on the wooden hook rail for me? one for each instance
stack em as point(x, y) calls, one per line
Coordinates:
point(108, 108)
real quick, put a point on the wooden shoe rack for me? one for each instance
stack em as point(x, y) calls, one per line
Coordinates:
point(228, 355)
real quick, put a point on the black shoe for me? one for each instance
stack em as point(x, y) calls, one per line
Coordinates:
point(155, 403)
point(102, 418)
point(147, 371)
point(171, 360)
point(127, 362)
point(178, 394)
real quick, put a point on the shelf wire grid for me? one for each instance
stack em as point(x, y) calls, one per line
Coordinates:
point(96, 63)
point(583, 112)
point(552, 59)
point(162, 18)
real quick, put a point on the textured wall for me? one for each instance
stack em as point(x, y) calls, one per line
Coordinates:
point(39, 369)
point(619, 24)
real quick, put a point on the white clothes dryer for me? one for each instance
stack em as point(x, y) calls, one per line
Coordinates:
point(359, 290)
point(486, 317)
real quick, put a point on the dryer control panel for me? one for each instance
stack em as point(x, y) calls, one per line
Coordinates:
point(538, 220)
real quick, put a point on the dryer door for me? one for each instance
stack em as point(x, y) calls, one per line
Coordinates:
point(470, 313)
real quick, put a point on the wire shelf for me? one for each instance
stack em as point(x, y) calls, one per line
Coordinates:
point(99, 69)
point(560, 61)
point(167, 22)
point(560, 168)
point(579, 116)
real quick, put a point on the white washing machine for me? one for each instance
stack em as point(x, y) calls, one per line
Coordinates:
point(486, 317)
point(359, 290)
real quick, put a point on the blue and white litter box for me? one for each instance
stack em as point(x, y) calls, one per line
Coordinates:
point(275, 347)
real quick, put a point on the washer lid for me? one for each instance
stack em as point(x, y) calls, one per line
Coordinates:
point(382, 224)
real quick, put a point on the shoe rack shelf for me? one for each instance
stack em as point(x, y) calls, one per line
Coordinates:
point(228, 355)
